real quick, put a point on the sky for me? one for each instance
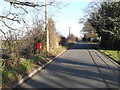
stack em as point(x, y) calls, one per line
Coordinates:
point(67, 16)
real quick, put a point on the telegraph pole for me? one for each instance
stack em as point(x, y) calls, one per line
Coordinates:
point(69, 30)
point(46, 25)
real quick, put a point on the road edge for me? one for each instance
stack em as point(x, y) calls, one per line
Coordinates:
point(35, 72)
point(111, 59)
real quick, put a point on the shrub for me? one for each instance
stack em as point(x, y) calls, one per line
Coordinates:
point(5, 56)
point(8, 74)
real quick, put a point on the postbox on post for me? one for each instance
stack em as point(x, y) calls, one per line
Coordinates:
point(39, 46)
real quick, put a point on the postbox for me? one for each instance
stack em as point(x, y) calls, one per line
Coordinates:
point(39, 46)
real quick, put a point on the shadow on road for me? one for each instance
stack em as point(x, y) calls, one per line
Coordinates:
point(65, 72)
point(84, 46)
point(58, 74)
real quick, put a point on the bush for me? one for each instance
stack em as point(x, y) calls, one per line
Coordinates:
point(95, 40)
point(22, 68)
point(63, 41)
point(5, 56)
point(8, 74)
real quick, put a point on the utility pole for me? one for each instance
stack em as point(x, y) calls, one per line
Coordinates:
point(46, 25)
point(69, 30)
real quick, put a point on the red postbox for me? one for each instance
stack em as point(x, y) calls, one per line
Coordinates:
point(39, 46)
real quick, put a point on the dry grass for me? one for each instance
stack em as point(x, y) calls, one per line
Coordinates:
point(57, 51)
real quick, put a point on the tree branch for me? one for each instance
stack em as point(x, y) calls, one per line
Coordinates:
point(21, 8)
point(3, 33)
point(30, 4)
point(7, 25)
point(12, 19)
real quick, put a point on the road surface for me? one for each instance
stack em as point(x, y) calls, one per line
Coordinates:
point(79, 67)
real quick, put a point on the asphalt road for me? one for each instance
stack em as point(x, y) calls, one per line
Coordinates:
point(79, 67)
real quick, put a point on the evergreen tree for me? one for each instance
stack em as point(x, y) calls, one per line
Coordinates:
point(107, 23)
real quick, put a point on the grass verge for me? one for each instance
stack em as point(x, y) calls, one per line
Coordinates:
point(114, 54)
point(91, 42)
point(15, 71)
point(57, 51)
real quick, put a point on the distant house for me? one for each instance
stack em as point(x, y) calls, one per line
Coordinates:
point(91, 37)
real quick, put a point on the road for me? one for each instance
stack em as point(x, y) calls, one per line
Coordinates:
point(79, 67)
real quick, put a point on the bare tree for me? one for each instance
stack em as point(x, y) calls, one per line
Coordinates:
point(15, 17)
point(91, 8)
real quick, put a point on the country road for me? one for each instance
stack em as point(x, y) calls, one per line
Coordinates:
point(79, 67)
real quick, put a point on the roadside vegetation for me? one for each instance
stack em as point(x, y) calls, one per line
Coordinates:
point(20, 56)
point(18, 64)
point(114, 54)
point(102, 26)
